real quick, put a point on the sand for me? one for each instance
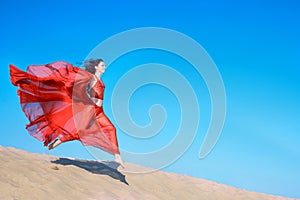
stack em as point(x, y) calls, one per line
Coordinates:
point(25, 175)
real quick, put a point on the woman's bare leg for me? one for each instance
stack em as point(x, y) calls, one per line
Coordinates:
point(119, 160)
point(54, 144)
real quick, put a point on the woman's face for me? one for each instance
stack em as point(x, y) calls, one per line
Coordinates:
point(100, 67)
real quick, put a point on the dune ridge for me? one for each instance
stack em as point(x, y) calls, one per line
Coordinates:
point(25, 175)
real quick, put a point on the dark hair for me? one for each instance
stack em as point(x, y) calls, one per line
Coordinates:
point(90, 64)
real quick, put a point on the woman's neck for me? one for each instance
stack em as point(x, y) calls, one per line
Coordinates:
point(98, 74)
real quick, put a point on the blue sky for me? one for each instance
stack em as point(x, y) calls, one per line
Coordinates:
point(255, 45)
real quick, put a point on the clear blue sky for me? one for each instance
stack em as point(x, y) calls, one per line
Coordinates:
point(255, 45)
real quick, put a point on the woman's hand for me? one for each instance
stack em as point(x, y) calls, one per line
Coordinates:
point(98, 102)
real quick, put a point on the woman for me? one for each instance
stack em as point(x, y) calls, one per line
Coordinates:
point(64, 103)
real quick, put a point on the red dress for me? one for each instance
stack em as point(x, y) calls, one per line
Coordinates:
point(55, 100)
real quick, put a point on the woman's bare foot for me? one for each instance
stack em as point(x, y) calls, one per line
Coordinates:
point(54, 144)
point(119, 160)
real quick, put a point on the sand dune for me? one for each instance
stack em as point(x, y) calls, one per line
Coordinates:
point(24, 175)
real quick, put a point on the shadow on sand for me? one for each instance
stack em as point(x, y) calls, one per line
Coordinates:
point(108, 168)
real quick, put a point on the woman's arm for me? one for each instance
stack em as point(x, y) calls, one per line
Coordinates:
point(97, 101)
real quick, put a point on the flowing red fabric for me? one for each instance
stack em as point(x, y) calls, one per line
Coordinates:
point(56, 101)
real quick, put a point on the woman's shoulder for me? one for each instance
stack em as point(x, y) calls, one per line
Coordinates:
point(100, 83)
point(96, 82)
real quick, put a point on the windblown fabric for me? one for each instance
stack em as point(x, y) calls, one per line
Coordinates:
point(56, 99)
